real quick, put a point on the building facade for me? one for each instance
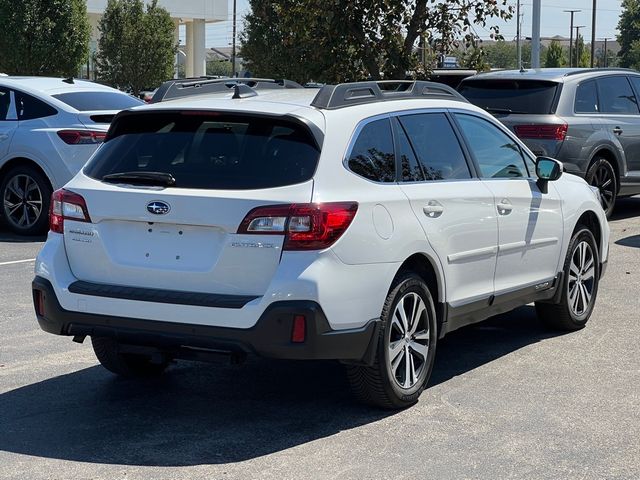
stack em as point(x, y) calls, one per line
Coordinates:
point(193, 14)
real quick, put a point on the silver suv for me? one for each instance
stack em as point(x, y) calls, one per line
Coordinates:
point(587, 118)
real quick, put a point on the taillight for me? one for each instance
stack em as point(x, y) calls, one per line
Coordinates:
point(81, 137)
point(542, 132)
point(313, 226)
point(66, 205)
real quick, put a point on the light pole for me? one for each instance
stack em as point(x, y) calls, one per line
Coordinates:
point(535, 37)
point(593, 32)
point(605, 58)
point(572, 12)
point(578, 27)
point(518, 44)
point(233, 43)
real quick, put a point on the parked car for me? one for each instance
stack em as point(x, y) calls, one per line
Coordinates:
point(49, 127)
point(587, 118)
point(358, 222)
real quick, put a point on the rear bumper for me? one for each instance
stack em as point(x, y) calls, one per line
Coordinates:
point(269, 337)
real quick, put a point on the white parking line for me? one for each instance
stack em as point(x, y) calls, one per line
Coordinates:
point(17, 261)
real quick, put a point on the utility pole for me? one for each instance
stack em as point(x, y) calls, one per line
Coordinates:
point(578, 27)
point(605, 58)
point(535, 36)
point(593, 32)
point(518, 47)
point(572, 12)
point(233, 43)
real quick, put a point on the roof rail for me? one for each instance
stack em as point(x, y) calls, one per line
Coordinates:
point(607, 69)
point(186, 87)
point(331, 97)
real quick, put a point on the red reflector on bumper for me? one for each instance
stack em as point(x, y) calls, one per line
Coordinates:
point(298, 333)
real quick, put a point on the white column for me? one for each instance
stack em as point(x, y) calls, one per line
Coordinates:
point(188, 63)
point(176, 41)
point(199, 48)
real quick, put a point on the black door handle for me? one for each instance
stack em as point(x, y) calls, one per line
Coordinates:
point(618, 131)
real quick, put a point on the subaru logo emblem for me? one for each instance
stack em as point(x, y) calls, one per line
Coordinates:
point(158, 207)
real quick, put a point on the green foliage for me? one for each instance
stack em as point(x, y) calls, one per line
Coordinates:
point(475, 58)
point(555, 55)
point(340, 40)
point(583, 53)
point(501, 54)
point(221, 68)
point(629, 28)
point(137, 48)
point(43, 37)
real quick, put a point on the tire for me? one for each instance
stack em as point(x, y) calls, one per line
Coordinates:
point(386, 384)
point(26, 214)
point(572, 312)
point(601, 174)
point(127, 365)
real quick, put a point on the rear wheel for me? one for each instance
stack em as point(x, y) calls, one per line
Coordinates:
point(26, 194)
point(128, 365)
point(579, 286)
point(602, 175)
point(406, 348)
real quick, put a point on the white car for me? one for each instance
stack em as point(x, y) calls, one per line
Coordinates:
point(360, 223)
point(49, 127)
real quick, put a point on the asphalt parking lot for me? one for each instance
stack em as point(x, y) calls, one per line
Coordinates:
point(507, 399)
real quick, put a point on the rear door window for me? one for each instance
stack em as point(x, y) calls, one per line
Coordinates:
point(92, 101)
point(512, 96)
point(436, 146)
point(372, 155)
point(5, 103)
point(586, 98)
point(30, 108)
point(215, 151)
point(616, 96)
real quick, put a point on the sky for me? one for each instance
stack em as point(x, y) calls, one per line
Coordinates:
point(553, 21)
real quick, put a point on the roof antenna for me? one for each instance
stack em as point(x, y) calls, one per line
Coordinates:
point(69, 80)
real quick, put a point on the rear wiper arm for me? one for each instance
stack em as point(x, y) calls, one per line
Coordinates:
point(141, 178)
point(501, 110)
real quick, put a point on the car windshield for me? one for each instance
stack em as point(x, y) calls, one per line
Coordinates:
point(206, 150)
point(92, 101)
point(511, 96)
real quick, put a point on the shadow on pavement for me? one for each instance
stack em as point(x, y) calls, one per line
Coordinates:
point(632, 241)
point(216, 414)
point(626, 208)
point(9, 237)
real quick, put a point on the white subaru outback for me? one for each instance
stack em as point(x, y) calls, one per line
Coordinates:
point(359, 222)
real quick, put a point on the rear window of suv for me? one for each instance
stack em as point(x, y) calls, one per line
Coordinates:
point(533, 97)
point(92, 101)
point(209, 150)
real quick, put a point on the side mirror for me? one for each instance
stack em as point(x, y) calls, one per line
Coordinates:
point(547, 170)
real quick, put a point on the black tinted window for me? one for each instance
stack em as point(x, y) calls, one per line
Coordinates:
point(89, 101)
point(616, 96)
point(30, 108)
point(411, 170)
point(436, 146)
point(635, 81)
point(497, 155)
point(511, 96)
point(5, 103)
point(587, 98)
point(372, 156)
point(211, 152)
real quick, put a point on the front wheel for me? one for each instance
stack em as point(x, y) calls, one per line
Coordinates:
point(579, 285)
point(406, 348)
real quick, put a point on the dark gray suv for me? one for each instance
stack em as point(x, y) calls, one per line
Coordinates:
point(587, 118)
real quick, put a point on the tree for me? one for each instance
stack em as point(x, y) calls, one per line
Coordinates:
point(501, 54)
point(583, 53)
point(629, 28)
point(341, 40)
point(43, 37)
point(137, 47)
point(555, 55)
point(221, 68)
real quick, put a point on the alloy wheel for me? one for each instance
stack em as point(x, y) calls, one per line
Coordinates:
point(604, 180)
point(582, 278)
point(409, 340)
point(23, 201)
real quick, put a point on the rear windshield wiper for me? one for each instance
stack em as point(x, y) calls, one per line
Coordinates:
point(160, 179)
point(502, 110)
